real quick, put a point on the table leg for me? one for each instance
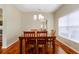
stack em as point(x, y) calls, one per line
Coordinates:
point(20, 46)
point(54, 46)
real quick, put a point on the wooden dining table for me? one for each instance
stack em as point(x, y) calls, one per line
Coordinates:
point(48, 39)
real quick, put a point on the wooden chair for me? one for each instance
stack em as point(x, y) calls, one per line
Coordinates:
point(42, 33)
point(30, 42)
point(41, 42)
point(29, 34)
point(53, 33)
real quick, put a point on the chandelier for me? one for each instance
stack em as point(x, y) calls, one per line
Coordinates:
point(41, 18)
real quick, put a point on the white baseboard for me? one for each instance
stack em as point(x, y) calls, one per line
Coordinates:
point(9, 44)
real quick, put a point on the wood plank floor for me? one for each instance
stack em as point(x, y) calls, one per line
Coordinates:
point(14, 49)
point(60, 49)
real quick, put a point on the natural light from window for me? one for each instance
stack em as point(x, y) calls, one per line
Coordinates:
point(68, 26)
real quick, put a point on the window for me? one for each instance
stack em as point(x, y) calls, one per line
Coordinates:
point(69, 26)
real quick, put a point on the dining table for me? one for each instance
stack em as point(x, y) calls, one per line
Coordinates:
point(33, 34)
point(48, 39)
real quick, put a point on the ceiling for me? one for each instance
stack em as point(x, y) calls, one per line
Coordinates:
point(37, 7)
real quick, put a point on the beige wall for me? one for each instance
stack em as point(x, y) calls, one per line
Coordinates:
point(13, 18)
point(11, 25)
point(29, 23)
point(64, 10)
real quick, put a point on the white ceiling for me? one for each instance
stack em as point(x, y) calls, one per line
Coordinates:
point(38, 7)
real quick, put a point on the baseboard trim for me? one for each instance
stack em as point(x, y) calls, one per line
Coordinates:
point(9, 45)
point(66, 48)
point(5, 50)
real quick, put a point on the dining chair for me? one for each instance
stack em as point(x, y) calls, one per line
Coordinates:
point(30, 43)
point(29, 34)
point(42, 33)
point(41, 42)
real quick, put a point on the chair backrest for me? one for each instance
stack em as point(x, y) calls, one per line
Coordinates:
point(53, 33)
point(29, 34)
point(42, 34)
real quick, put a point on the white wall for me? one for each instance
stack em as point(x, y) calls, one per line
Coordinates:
point(13, 18)
point(65, 10)
point(11, 25)
point(29, 23)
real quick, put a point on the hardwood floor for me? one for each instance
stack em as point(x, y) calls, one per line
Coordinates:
point(14, 49)
point(64, 48)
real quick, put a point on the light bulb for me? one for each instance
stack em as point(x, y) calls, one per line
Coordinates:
point(40, 16)
point(35, 17)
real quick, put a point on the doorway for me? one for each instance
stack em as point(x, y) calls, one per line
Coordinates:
point(1, 25)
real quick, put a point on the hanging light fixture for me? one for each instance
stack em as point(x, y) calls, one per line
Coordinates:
point(41, 18)
point(38, 16)
point(35, 17)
